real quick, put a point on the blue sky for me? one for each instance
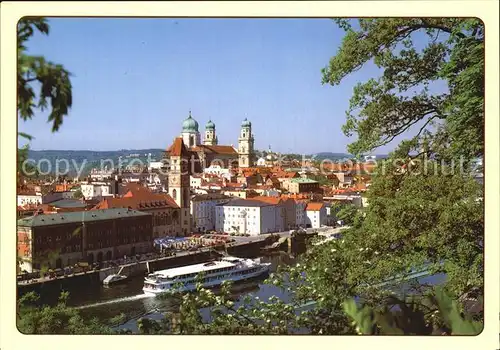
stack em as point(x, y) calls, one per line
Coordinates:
point(135, 80)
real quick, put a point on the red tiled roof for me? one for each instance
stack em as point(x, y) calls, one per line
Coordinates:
point(249, 173)
point(367, 167)
point(286, 174)
point(26, 193)
point(217, 149)
point(260, 187)
point(178, 148)
point(274, 182)
point(267, 199)
point(314, 206)
point(234, 184)
point(138, 197)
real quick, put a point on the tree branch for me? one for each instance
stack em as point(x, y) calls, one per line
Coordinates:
point(403, 128)
point(426, 123)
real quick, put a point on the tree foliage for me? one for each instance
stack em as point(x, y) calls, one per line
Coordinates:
point(383, 108)
point(425, 217)
point(347, 212)
point(25, 169)
point(413, 319)
point(33, 318)
point(53, 79)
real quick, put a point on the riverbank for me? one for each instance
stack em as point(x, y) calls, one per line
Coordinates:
point(46, 286)
point(242, 247)
point(128, 299)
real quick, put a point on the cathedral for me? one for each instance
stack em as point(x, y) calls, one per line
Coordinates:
point(209, 152)
point(188, 155)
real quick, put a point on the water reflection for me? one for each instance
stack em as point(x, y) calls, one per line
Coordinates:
point(128, 299)
point(105, 303)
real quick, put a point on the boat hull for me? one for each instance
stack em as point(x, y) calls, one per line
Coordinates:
point(264, 270)
point(114, 282)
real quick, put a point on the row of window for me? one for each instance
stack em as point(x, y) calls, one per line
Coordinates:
point(92, 234)
point(225, 276)
point(133, 239)
point(69, 236)
point(249, 223)
point(49, 239)
point(164, 220)
point(239, 209)
point(106, 243)
point(236, 215)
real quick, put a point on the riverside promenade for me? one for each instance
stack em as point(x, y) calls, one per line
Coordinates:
point(242, 246)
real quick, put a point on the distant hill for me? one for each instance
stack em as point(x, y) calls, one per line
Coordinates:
point(86, 160)
point(340, 156)
point(331, 155)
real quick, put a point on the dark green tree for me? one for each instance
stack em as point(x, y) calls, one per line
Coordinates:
point(53, 79)
point(34, 318)
point(404, 95)
point(346, 212)
point(415, 318)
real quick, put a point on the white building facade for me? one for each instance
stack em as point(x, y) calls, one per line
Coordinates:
point(217, 170)
point(96, 190)
point(246, 216)
point(100, 175)
point(195, 182)
point(203, 214)
point(316, 215)
point(29, 199)
point(155, 165)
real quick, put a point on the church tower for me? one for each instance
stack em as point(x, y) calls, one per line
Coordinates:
point(245, 145)
point(178, 181)
point(210, 136)
point(190, 134)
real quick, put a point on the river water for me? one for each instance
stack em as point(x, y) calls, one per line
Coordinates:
point(107, 302)
point(128, 299)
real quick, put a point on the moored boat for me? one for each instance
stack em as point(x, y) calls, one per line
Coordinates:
point(114, 279)
point(184, 279)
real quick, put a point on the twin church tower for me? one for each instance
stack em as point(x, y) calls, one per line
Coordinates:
point(189, 144)
point(192, 139)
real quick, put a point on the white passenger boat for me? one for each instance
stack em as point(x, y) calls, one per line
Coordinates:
point(183, 279)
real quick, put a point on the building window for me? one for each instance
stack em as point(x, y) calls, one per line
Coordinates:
point(174, 194)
